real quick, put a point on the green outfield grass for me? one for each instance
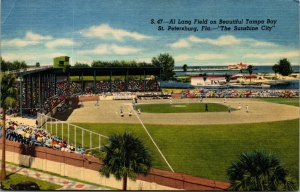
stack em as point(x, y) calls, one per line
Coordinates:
point(181, 107)
point(14, 178)
point(286, 101)
point(207, 150)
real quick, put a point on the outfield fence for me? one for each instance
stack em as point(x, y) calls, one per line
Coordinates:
point(72, 134)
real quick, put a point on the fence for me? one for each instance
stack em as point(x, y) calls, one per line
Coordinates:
point(72, 134)
point(87, 169)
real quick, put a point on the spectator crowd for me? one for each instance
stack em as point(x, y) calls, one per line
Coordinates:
point(34, 136)
point(237, 93)
point(66, 88)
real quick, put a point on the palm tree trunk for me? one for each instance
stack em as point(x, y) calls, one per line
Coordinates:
point(125, 182)
point(3, 170)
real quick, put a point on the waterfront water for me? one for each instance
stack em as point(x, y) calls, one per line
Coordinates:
point(256, 69)
point(286, 84)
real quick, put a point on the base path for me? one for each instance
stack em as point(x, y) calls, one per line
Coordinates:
point(259, 111)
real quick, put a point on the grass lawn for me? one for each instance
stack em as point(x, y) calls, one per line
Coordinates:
point(14, 178)
point(207, 150)
point(286, 101)
point(108, 129)
point(181, 108)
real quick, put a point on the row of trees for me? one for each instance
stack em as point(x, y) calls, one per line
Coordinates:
point(122, 63)
point(115, 63)
point(9, 66)
point(165, 61)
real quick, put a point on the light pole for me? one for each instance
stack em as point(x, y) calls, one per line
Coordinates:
point(20, 94)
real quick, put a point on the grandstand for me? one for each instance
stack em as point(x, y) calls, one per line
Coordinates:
point(40, 90)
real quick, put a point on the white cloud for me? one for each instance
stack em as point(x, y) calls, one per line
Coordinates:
point(200, 57)
point(29, 39)
point(36, 37)
point(273, 55)
point(221, 41)
point(56, 54)
point(264, 44)
point(106, 49)
point(29, 56)
point(123, 50)
point(18, 56)
point(62, 42)
point(224, 40)
point(104, 31)
point(182, 57)
point(210, 56)
point(181, 43)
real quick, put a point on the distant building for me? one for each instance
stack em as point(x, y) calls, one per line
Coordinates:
point(211, 80)
point(61, 61)
point(238, 66)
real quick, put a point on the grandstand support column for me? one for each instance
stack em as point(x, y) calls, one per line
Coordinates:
point(31, 92)
point(26, 91)
point(144, 81)
point(110, 80)
point(43, 88)
point(55, 79)
point(20, 94)
point(82, 87)
point(52, 85)
point(40, 92)
point(94, 82)
point(126, 80)
point(35, 91)
point(47, 86)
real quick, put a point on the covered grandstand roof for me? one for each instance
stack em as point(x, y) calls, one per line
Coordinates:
point(99, 71)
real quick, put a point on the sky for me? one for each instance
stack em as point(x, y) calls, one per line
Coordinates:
point(87, 30)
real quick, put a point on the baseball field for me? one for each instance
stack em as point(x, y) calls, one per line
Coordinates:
point(194, 141)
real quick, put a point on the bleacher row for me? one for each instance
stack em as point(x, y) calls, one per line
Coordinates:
point(34, 136)
point(66, 88)
point(236, 93)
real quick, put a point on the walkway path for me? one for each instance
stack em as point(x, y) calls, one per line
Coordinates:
point(66, 183)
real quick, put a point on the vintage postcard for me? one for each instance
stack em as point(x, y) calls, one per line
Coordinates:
point(150, 95)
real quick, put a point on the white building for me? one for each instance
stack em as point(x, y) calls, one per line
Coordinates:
point(211, 80)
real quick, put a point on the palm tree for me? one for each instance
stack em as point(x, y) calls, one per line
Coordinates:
point(250, 71)
point(204, 78)
point(8, 97)
point(259, 171)
point(227, 78)
point(125, 156)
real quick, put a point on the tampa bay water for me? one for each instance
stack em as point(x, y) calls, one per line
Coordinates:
point(292, 84)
